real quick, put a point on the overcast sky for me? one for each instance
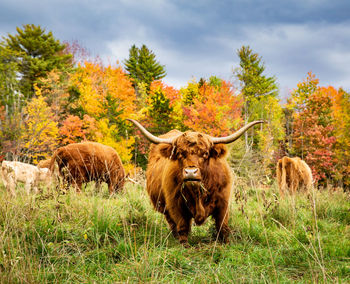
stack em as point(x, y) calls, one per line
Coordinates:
point(195, 39)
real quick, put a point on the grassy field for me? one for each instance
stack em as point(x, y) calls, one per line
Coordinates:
point(92, 237)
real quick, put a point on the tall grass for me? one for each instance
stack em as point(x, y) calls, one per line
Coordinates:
point(93, 237)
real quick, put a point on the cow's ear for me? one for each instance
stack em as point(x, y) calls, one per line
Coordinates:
point(218, 151)
point(167, 151)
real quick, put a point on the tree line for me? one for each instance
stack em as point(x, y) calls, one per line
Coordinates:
point(53, 93)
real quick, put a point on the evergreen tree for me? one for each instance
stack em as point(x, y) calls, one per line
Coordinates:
point(143, 67)
point(250, 74)
point(257, 89)
point(37, 54)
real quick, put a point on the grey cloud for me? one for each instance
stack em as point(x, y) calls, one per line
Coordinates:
point(200, 38)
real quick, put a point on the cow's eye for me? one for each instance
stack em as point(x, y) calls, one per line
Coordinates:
point(206, 199)
point(205, 155)
point(184, 154)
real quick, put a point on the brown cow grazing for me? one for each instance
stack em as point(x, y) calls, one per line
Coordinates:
point(79, 163)
point(188, 177)
point(293, 175)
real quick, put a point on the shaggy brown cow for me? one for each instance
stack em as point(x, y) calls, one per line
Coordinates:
point(188, 177)
point(293, 174)
point(79, 163)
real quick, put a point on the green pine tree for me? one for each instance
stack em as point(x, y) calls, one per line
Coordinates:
point(250, 74)
point(257, 89)
point(143, 67)
point(38, 53)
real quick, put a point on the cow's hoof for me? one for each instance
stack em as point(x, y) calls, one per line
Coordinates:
point(185, 244)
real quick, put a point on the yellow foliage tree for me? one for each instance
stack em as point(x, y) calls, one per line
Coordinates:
point(106, 136)
point(39, 131)
point(102, 88)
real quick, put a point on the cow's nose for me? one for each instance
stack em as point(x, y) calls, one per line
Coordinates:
point(191, 174)
point(199, 220)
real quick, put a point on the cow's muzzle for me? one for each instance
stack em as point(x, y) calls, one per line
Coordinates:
point(199, 220)
point(191, 174)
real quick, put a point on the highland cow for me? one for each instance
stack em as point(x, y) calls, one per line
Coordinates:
point(293, 175)
point(80, 163)
point(13, 172)
point(188, 178)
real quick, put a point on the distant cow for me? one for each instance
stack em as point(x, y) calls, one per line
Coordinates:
point(44, 164)
point(293, 175)
point(80, 163)
point(14, 172)
point(189, 178)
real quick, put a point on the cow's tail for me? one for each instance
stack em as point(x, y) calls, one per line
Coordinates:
point(52, 162)
point(284, 176)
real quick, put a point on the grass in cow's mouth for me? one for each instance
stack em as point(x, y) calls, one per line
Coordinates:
point(93, 237)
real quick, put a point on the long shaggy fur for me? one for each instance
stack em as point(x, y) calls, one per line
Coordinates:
point(293, 175)
point(89, 161)
point(181, 201)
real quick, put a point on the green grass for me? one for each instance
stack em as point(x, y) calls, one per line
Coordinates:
point(92, 237)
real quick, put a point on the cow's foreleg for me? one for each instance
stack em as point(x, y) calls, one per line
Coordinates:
point(171, 223)
point(183, 228)
point(221, 223)
point(78, 183)
point(28, 186)
point(11, 185)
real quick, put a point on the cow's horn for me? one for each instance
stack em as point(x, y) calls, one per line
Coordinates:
point(236, 135)
point(150, 136)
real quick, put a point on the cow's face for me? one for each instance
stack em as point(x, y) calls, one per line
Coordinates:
point(44, 174)
point(192, 151)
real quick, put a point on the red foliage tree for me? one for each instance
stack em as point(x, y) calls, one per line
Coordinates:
point(314, 129)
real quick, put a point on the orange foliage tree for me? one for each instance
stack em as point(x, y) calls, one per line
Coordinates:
point(105, 92)
point(106, 95)
point(212, 108)
point(341, 113)
point(75, 130)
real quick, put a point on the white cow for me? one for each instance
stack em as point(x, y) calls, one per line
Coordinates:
point(31, 176)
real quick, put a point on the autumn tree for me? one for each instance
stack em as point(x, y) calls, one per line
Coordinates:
point(106, 94)
point(39, 132)
point(211, 108)
point(143, 67)
point(341, 113)
point(38, 53)
point(313, 128)
point(75, 130)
